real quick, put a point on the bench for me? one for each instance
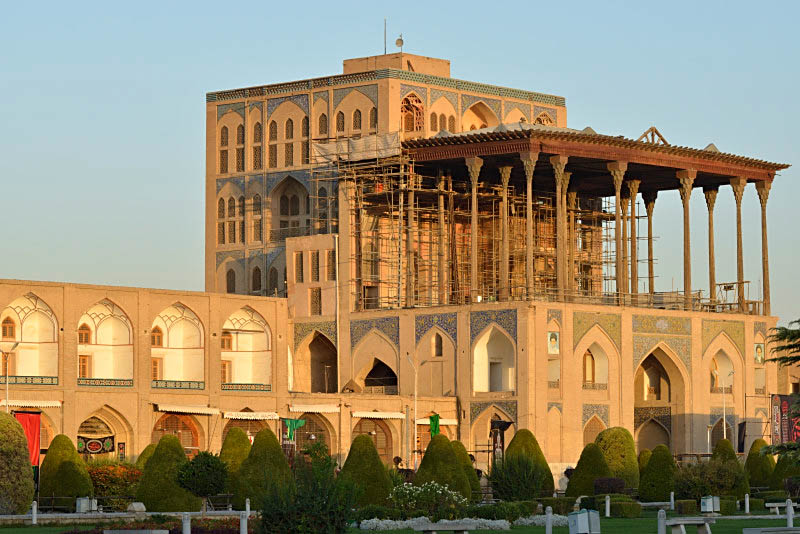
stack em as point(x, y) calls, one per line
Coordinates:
point(771, 530)
point(679, 524)
point(455, 528)
point(778, 505)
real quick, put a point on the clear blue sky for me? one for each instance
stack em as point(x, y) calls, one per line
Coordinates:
point(102, 137)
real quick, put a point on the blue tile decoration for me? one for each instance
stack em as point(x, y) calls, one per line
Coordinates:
point(600, 410)
point(469, 100)
point(477, 408)
point(524, 108)
point(446, 321)
point(246, 387)
point(662, 414)
point(272, 254)
point(538, 110)
point(506, 319)
point(177, 384)
point(237, 181)
point(258, 104)
point(30, 380)
point(716, 415)
point(237, 107)
point(254, 185)
point(326, 328)
point(300, 100)
point(387, 325)
point(274, 178)
point(762, 412)
point(229, 254)
point(370, 91)
point(582, 322)
point(643, 345)
point(556, 405)
point(106, 382)
point(733, 329)
point(655, 324)
point(555, 314)
point(321, 95)
point(449, 95)
point(421, 92)
point(760, 327)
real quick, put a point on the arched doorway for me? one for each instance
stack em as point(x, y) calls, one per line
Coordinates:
point(652, 434)
point(659, 400)
point(493, 362)
point(181, 426)
point(324, 371)
point(717, 433)
point(591, 429)
point(314, 431)
point(486, 433)
point(381, 436)
point(250, 427)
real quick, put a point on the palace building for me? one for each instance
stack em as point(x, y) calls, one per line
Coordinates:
point(391, 243)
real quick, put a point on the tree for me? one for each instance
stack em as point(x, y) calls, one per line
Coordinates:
point(658, 477)
point(466, 464)
point(264, 463)
point(759, 466)
point(73, 481)
point(524, 442)
point(204, 476)
point(644, 457)
point(158, 488)
point(517, 478)
point(723, 450)
point(364, 469)
point(620, 454)
point(141, 461)
point(16, 474)
point(787, 466)
point(441, 465)
point(234, 451)
point(591, 465)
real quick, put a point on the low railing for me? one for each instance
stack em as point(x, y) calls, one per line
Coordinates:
point(279, 234)
point(380, 390)
point(726, 389)
point(246, 387)
point(553, 384)
point(106, 382)
point(178, 384)
point(31, 380)
point(761, 391)
point(595, 385)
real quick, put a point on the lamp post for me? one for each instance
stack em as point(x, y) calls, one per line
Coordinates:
point(414, 420)
point(724, 414)
point(5, 349)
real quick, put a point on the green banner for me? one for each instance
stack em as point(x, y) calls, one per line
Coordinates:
point(434, 421)
point(292, 425)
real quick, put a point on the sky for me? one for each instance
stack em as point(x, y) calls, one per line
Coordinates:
point(102, 127)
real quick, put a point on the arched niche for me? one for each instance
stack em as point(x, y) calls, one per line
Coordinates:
point(719, 432)
point(35, 327)
point(481, 436)
point(591, 429)
point(184, 427)
point(105, 422)
point(381, 435)
point(493, 362)
point(597, 358)
point(289, 209)
point(478, 116)
point(109, 351)
point(652, 434)
point(436, 354)
point(246, 348)
point(553, 438)
point(317, 429)
point(374, 346)
point(314, 365)
point(179, 352)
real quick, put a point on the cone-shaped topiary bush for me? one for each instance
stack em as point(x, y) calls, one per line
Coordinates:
point(364, 469)
point(644, 457)
point(620, 453)
point(658, 477)
point(71, 482)
point(785, 468)
point(469, 470)
point(441, 465)
point(141, 461)
point(16, 474)
point(524, 442)
point(591, 465)
point(265, 462)
point(723, 450)
point(158, 487)
point(759, 466)
point(234, 450)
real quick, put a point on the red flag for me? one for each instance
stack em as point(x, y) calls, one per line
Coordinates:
point(30, 422)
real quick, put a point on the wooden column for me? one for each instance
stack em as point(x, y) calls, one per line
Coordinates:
point(562, 182)
point(686, 179)
point(711, 199)
point(633, 188)
point(738, 184)
point(572, 201)
point(625, 241)
point(529, 162)
point(763, 188)
point(649, 205)
point(358, 249)
point(411, 267)
point(617, 170)
point(474, 168)
point(442, 266)
point(505, 279)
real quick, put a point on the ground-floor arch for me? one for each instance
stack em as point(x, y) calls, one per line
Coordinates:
point(381, 436)
point(315, 368)
point(315, 430)
point(717, 433)
point(652, 434)
point(184, 427)
point(491, 431)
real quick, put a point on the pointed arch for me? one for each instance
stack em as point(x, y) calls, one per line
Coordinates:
point(651, 434)
point(114, 422)
point(436, 369)
point(493, 360)
point(255, 285)
point(316, 430)
point(717, 433)
point(412, 113)
point(591, 429)
point(314, 364)
point(181, 356)
point(553, 438)
point(246, 351)
point(373, 346)
point(185, 427)
point(381, 434)
point(35, 327)
point(480, 115)
point(604, 357)
point(481, 433)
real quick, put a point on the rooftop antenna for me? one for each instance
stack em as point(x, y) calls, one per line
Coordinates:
point(399, 43)
point(384, 36)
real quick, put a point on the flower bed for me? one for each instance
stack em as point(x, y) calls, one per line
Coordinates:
point(471, 524)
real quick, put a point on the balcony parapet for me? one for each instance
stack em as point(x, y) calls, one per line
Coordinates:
point(178, 384)
point(230, 386)
point(106, 382)
point(31, 380)
point(595, 386)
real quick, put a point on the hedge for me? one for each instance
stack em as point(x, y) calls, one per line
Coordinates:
point(658, 478)
point(469, 470)
point(785, 468)
point(69, 482)
point(608, 485)
point(141, 461)
point(591, 465)
point(727, 506)
point(560, 505)
point(364, 469)
point(686, 507)
point(756, 504)
point(158, 487)
point(441, 465)
point(626, 509)
point(723, 450)
point(524, 442)
point(644, 457)
point(265, 460)
point(16, 474)
point(234, 449)
point(759, 466)
point(617, 446)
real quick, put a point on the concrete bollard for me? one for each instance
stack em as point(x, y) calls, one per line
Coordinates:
point(243, 523)
point(662, 522)
point(187, 523)
point(548, 520)
point(555, 495)
point(608, 505)
point(247, 506)
point(747, 503)
point(672, 501)
point(34, 512)
point(789, 514)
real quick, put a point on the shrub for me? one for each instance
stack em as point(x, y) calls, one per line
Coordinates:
point(608, 485)
point(792, 485)
point(686, 507)
point(524, 442)
point(363, 468)
point(560, 505)
point(759, 466)
point(658, 478)
point(617, 446)
point(644, 457)
point(469, 470)
point(431, 499)
point(756, 504)
point(234, 449)
point(516, 478)
point(440, 465)
point(727, 506)
point(69, 482)
point(373, 511)
point(16, 474)
point(112, 480)
point(591, 465)
point(510, 511)
point(723, 450)
point(714, 477)
point(626, 509)
point(786, 467)
point(265, 462)
point(772, 496)
point(204, 476)
point(158, 487)
point(141, 461)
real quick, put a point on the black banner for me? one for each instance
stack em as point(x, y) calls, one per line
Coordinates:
point(785, 428)
point(88, 445)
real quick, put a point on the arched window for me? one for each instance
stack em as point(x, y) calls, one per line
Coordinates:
point(294, 205)
point(438, 345)
point(156, 337)
point(304, 127)
point(221, 209)
point(9, 329)
point(223, 136)
point(180, 426)
point(273, 131)
point(272, 286)
point(230, 281)
point(256, 279)
point(593, 427)
point(323, 124)
point(289, 155)
point(340, 122)
point(257, 205)
point(451, 124)
point(273, 156)
point(257, 133)
point(588, 368)
point(240, 135)
point(442, 122)
point(241, 206)
point(373, 118)
point(84, 334)
point(226, 341)
point(380, 434)
point(544, 119)
point(284, 208)
point(231, 207)
point(289, 129)
point(434, 122)
point(411, 111)
point(357, 119)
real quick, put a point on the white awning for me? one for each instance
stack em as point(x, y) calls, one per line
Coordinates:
point(314, 408)
point(251, 416)
point(379, 415)
point(31, 403)
point(196, 410)
point(442, 422)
